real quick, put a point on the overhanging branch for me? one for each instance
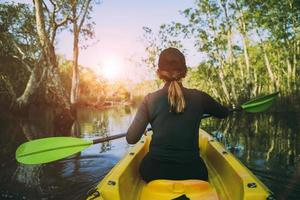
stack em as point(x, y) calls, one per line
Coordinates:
point(87, 4)
point(24, 63)
point(20, 51)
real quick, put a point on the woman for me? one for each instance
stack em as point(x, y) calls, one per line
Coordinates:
point(174, 113)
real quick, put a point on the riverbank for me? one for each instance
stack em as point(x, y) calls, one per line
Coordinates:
point(104, 105)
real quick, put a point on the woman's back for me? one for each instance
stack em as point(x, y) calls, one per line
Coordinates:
point(175, 136)
point(174, 113)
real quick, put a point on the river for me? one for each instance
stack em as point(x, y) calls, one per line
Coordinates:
point(268, 144)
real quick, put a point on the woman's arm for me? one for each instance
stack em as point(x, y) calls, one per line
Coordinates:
point(139, 124)
point(214, 108)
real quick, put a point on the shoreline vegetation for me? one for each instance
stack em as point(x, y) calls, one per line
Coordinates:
point(249, 48)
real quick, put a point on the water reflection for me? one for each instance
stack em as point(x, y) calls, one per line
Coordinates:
point(28, 175)
point(71, 177)
point(101, 124)
point(268, 144)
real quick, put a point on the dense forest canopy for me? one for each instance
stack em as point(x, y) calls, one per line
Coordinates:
point(250, 48)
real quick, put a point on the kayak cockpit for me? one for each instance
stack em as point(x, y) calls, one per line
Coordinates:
point(229, 179)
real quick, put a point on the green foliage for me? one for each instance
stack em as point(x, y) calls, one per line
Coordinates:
point(17, 28)
point(156, 42)
point(251, 47)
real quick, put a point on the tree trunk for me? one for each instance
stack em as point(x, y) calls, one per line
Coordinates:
point(241, 69)
point(229, 34)
point(31, 87)
point(78, 21)
point(246, 55)
point(53, 92)
point(34, 81)
point(295, 43)
point(213, 89)
point(289, 74)
point(294, 61)
point(242, 25)
point(75, 76)
point(243, 30)
point(255, 83)
point(269, 68)
point(223, 84)
point(229, 44)
point(233, 88)
point(267, 64)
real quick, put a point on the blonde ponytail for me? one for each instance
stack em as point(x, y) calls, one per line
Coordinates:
point(175, 96)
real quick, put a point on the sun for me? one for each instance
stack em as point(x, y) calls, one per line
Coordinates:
point(111, 68)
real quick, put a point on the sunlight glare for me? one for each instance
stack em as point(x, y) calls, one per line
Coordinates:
point(111, 68)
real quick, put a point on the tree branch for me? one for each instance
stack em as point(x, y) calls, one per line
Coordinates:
point(46, 7)
point(63, 22)
point(75, 18)
point(56, 25)
point(19, 49)
point(23, 56)
point(87, 4)
point(55, 7)
point(52, 26)
point(23, 62)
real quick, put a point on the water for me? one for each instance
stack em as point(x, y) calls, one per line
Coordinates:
point(268, 144)
point(69, 178)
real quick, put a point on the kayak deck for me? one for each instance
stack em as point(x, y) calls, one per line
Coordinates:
point(229, 179)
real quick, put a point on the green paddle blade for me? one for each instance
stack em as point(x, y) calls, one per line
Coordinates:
point(259, 104)
point(50, 149)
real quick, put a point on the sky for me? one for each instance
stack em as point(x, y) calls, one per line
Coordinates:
point(118, 34)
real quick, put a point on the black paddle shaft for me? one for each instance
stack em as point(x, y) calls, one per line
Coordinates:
point(112, 137)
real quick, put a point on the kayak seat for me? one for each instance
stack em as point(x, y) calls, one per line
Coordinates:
point(176, 189)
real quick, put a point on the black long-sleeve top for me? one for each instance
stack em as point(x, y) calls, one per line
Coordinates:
point(175, 136)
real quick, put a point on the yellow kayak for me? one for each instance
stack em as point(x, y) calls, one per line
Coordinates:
point(229, 179)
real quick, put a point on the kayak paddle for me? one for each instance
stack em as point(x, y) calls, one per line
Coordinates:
point(259, 104)
point(54, 148)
